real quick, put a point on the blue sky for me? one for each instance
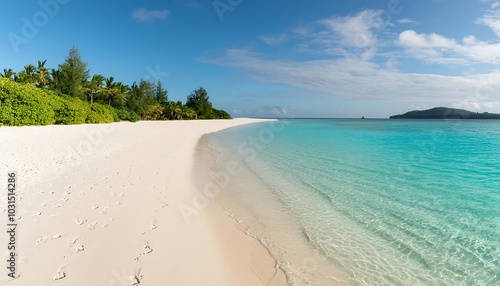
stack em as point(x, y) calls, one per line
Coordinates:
point(280, 58)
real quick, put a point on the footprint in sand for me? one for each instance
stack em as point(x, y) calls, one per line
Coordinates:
point(113, 194)
point(118, 203)
point(105, 209)
point(60, 274)
point(57, 206)
point(42, 240)
point(92, 225)
point(95, 207)
point(37, 213)
point(67, 193)
point(147, 249)
point(79, 248)
point(136, 279)
point(65, 199)
point(72, 241)
point(153, 225)
point(80, 221)
point(56, 236)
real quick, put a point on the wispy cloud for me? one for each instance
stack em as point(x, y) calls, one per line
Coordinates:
point(436, 48)
point(275, 40)
point(338, 36)
point(356, 31)
point(492, 18)
point(405, 21)
point(359, 79)
point(352, 58)
point(146, 15)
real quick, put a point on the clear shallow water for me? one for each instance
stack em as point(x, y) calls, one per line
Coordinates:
point(367, 202)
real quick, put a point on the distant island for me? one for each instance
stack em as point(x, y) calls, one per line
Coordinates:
point(445, 113)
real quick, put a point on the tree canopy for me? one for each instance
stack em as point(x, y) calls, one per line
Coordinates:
point(143, 99)
point(199, 101)
point(72, 74)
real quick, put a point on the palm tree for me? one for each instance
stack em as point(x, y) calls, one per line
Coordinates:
point(8, 73)
point(169, 110)
point(173, 110)
point(42, 75)
point(190, 113)
point(55, 79)
point(28, 75)
point(186, 112)
point(121, 94)
point(93, 87)
point(178, 110)
point(110, 89)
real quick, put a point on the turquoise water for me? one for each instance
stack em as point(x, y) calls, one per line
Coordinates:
point(367, 202)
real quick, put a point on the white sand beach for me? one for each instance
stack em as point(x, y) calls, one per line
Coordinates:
point(100, 205)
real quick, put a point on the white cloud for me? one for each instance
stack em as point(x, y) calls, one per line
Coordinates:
point(356, 31)
point(354, 35)
point(435, 48)
point(405, 21)
point(411, 39)
point(361, 50)
point(274, 40)
point(492, 18)
point(145, 15)
point(358, 79)
point(476, 105)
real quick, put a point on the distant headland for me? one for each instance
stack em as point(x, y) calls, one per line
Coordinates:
point(445, 113)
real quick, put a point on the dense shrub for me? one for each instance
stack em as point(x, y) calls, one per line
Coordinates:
point(116, 118)
point(128, 115)
point(25, 104)
point(99, 114)
point(220, 114)
point(70, 110)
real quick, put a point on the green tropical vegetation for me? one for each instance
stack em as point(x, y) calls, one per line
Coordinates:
point(445, 113)
point(69, 94)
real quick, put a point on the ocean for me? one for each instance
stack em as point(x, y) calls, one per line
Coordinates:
point(366, 202)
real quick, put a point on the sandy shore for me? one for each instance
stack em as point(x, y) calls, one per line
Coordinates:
point(103, 205)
